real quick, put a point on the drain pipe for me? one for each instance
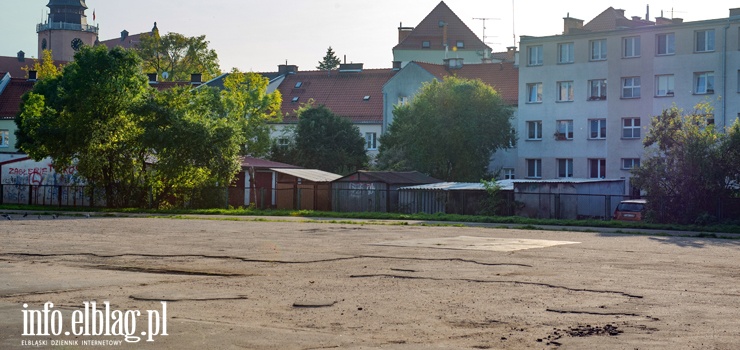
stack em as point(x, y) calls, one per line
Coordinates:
point(724, 76)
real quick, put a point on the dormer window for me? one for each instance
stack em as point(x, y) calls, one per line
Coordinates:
point(366, 98)
point(295, 99)
point(460, 44)
point(426, 44)
point(298, 84)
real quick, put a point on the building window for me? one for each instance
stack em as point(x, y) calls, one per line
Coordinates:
point(283, 142)
point(704, 83)
point(534, 168)
point(666, 44)
point(4, 138)
point(403, 100)
point(597, 89)
point(597, 129)
point(631, 87)
point(631, 128)
point(597, 168)
point(565, 91)
point(565, 168)
point(630, 163)
point(460, 44)
point(564, 130)
point(295, 99)
point(426, 44)
point(705, 40)
point(371, 141)
point(631, 47)
point(664, 85)
point(598, 50)
point(534, 130)
point(534, 54)
point(534, 93)
point(509, 174)
point(565, 53)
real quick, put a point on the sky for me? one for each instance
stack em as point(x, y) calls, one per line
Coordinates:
point(258, 35)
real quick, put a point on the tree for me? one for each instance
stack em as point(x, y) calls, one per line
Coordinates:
point(450, 130)
point(84, 116)
point(45, 67)
point(178, 55)
point(324, 141)
point(690, 165)
point(330, 61)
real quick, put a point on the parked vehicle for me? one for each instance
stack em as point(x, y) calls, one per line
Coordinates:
point(630, 210)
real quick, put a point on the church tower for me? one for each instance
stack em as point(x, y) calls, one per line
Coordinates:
point(66, 30)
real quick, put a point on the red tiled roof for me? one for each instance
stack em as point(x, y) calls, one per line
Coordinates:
point(164, 85)
point(341, 92)
point(612, 19)
point(264, 163)
point(130, 41)
point(503, 77)
point(10, 98)
point(429, 30)
point(12, 65)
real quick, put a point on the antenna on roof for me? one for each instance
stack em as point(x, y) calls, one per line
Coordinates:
point(484, 28)
point(513, 21)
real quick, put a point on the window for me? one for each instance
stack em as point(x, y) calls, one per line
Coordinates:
point(631, 128)
point(631, 87)
point(366, 98)
point(295, 99)
point(704, 40)
point(534, 130)
point(630, 163)
point(597, 168)
point(298, 84)
point(704, 83)
point(403, 100)
point(460, 44)
point(597, 128)
point(598, 50)
point(534, 54)
point(666, 44)
point(534, 168)
point(283, 142)
point(565, 53)
point(565, 168)
point(597, 89)
point(664, 85)
point(426, 44)
point(565, 91)
point(4, 138)
point(534, 93)
point(371, 141)
point(509, 174)
point(564, 130)
point(631, 47)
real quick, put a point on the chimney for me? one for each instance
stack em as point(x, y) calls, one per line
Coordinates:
point(403, 32)
point(285, 69)
point(647, 13)
point(735, 12)
point(350, 67)
point(397, 65)
point(32, 75)
point(453, 63)
point(196, 79)
point(677, 20)
point(21, 56)
point(152, 78)
point(570, 24)
point(659, 21)
point(620, 12)
point(636, 18)
point(124, 35)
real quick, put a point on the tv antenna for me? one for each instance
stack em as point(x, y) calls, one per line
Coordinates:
point(672, 12)
point(484, 19)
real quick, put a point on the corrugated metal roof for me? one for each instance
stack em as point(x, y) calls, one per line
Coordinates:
point(448, 186)
point(390, 177)
point(506, 185)
point(314, 175)
point(263, 163)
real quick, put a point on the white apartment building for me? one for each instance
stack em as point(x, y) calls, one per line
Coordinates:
point(586, 97)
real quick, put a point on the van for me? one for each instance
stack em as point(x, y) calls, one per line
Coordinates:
point(630, 210)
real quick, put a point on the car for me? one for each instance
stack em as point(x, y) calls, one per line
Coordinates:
point(630, 210)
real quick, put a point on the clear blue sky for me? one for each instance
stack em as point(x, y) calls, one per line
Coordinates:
point(259, 35)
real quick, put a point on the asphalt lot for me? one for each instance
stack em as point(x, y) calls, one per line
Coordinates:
point(254, 284)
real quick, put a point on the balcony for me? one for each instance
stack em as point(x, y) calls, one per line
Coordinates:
point(66, 26)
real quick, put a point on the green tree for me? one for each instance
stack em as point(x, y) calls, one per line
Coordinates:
point(689, 165)
point(84, 116)
point(324, 141)
point(330, 61)
point(450, 130)
point(45, 67)
point(178, 55)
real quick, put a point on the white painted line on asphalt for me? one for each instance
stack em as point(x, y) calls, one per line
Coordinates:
point(476, 243)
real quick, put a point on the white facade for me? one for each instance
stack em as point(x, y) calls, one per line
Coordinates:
point(567, 129)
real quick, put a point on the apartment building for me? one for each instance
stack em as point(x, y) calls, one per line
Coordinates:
point(586, 97)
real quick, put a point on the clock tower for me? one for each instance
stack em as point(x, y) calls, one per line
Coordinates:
point(66, 30)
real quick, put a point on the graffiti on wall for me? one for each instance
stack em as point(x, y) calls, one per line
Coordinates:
point(40, 182)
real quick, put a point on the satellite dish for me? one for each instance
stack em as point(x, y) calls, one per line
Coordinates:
point(165, 75)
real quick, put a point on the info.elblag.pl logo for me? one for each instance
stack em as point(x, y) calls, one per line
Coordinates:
point(94, 321)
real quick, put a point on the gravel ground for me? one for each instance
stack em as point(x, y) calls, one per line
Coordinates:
point(253, 284)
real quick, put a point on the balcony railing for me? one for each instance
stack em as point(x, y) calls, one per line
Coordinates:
point(65, 26)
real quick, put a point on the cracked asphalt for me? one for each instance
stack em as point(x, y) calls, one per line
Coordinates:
point(250, 284)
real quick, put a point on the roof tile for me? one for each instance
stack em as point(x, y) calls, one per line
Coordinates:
point(429, 30)
point(503, 77)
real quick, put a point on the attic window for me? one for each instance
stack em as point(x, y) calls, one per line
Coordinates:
point(366, 98)
point(460, 44)
point(295, 99)
point(298, 84)
point(426, 44)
